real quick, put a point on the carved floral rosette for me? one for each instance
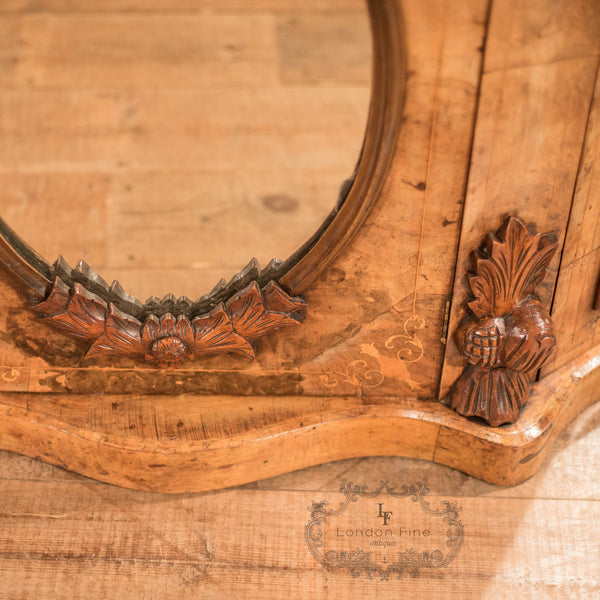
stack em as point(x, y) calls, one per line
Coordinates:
point(170, 331)
point(507, 334)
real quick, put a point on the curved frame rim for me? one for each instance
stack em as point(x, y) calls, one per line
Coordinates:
point(301, 269)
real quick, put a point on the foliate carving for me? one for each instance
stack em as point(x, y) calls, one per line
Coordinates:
point(507, 334)
point(170, 331)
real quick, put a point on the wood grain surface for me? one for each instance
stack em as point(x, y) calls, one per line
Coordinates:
point(386, 315)
point(576, 317)
point(64, 536)
point(188, 443)
point(535, 98)
point(509, 157)
point(88, 124)
point(168, 149)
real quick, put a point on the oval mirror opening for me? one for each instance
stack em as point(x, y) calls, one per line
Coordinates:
point(167, 148)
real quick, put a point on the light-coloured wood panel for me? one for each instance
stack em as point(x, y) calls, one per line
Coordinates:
point(268, 167)
point(217, 221)
point(237, 6)
point(246, 160)
point(397, 297)
point(216, 224)
point(532, 117)
point(97, 51)
point(307, 56)
point(183, 131)
point(541, 32)
point(154, 554)
point(175, 107)
point(127, 157)
point(63, 535)
point(47, 208)
point(576, 322)
point(121, 50)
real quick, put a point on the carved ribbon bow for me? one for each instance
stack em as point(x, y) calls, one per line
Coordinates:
point(168, 331)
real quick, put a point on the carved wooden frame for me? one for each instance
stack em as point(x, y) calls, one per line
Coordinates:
point(171, 330)
point(45, 283)
point(349, 412)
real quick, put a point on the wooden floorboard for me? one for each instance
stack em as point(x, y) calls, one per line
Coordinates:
point(63, 535)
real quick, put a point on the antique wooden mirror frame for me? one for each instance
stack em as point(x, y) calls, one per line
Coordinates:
point(356, 198)
point(180, 396)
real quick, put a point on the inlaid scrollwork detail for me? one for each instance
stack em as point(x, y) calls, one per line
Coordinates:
point(372, 371)
point(507, 333)
point(170, 331)
point(10, 374)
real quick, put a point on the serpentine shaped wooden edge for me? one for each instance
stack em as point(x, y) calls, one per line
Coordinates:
point(506, 334)
point(173, 330)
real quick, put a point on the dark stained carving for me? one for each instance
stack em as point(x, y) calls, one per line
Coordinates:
point(170, 331)
point(507, 334)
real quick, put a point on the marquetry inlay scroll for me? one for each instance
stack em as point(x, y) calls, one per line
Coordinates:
point(507, 334)
point(173, 330)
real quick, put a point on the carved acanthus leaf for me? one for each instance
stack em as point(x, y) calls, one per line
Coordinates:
point(249, 316)
point(121, 336)
point(278, 301)
point(214, 332)
point(83, 316)
point(509, 268)
point(57, 301)
point(170, 330)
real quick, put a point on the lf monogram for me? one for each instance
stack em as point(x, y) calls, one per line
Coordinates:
point(384, 514)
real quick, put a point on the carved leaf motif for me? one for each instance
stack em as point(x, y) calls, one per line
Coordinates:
point(84, 314)
point(150, 330)
point(509, 268)
point(57, 300)
point(81, 303)
point(168, 340)
point(181, 328)
point(277, 300)
point(509, 333)
point(250, 318)
point(121, 336)
point(214, 332)
point(167, 326)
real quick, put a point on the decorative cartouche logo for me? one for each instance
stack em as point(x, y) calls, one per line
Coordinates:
point(384, 514)
point(391, 536)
